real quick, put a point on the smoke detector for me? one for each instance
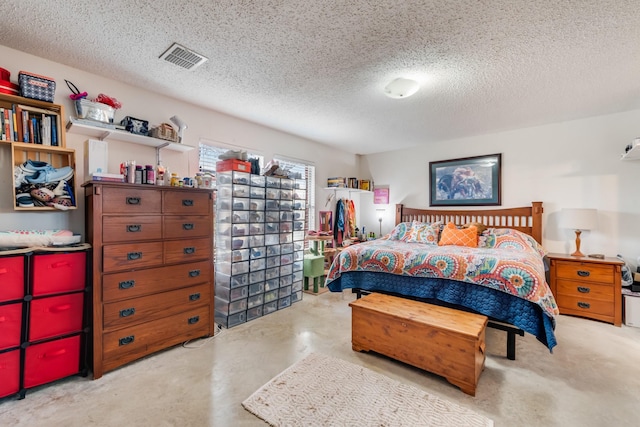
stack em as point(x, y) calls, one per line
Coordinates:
point(183, 57)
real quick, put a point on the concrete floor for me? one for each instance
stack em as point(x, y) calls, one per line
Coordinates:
point(591, 379)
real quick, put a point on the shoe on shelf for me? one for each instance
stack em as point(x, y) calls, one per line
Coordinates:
point(20, 176)
point(60, 188)
point(33, 166)
point(24, 200)
point(45, 176)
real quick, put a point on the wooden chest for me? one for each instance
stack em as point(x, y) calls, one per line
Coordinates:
point(440, 340)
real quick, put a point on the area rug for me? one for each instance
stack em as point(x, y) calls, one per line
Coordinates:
point(320, 390)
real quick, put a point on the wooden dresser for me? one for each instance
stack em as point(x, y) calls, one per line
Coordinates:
point(152, 269)
point(587, 287)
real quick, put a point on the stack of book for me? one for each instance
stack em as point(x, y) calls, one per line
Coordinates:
point(22, 123)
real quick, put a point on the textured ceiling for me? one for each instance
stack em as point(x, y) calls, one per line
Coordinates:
point(318, 68)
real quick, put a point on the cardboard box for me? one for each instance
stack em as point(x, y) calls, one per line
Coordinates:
point(233, 165)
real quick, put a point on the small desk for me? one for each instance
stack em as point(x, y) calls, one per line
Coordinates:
point(314, 264)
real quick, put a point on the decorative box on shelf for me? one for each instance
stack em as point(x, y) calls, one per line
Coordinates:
point(165, 131)
point(233, 165)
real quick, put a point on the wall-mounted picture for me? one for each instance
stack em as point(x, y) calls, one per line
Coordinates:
point(381, 196)
point(468, 181)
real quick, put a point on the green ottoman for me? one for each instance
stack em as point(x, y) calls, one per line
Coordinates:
point(313, 267)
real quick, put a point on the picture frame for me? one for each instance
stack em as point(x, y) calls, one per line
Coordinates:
point(381, 196)
point(467, 181)
point(326, 221)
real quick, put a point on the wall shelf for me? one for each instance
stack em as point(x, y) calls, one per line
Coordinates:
point(103, 133)
point(633, 154)
point(346, 189)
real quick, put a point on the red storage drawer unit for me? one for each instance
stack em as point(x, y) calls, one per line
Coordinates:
point(9, 373)
point(53, 316)
point(11, 278)
point(55, 273)
point(10, 325)
point(50, 361)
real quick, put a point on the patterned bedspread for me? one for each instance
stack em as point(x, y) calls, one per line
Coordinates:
point(518, 272)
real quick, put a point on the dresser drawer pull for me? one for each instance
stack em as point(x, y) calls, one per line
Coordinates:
point(583, 273)
point(193, 320)
point(132, 256)
point(133, 200)
point(194, 297)
point(584, 290)
point(128, 284)
point(187, 202)
point(194, 273)
point(584, 304)
point(126, 340)
point(190, 250)
point(187, 226)
point(127, 312)
point(134, 228)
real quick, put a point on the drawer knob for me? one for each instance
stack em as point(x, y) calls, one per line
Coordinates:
point(187, 202)
point(193, 320)
point(194, 273)
point(132, 256)
point(584, 304)
point(127, 284)
point(126, 340)
point(133, 200)
point(584, 290)
point(194, 297)
point(134, 228)
point(187, 226)
point(127, 312)
point(189, 250)
point(583, 273)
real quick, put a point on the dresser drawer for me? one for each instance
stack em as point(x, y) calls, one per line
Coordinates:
point(187, 250)
point(11, 278)
point(130, 256)
point(584, 306)
point(153, 307)
point(131, 284)
point(187, 202)
point(131, 200)
point(187, 226)
point(131, 228)
point(585, 272)
point(585, 291)
point(128, 344)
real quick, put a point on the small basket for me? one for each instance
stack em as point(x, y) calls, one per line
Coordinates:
point(165, 131)
point(36, 87)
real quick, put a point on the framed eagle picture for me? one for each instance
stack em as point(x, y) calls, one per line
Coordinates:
point(468, 181)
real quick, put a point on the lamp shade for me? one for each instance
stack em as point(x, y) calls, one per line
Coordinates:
point(580, 219)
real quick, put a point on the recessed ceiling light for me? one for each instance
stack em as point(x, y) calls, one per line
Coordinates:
point(401, 88)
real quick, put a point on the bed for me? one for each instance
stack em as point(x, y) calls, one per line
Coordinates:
point(503, 278)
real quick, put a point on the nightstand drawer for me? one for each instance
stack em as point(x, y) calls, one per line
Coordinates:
point(584, 306)
point(585, 291)
point(585, 272)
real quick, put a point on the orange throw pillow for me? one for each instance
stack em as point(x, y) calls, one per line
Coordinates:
point(459, 237)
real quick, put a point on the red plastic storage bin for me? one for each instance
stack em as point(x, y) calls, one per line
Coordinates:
point(11, 278)
point(50, 361)
point(10, 325)
point(9, 373)
point(53, 316)
point(55, 273)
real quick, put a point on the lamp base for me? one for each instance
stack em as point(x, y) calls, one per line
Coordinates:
point(577, 254)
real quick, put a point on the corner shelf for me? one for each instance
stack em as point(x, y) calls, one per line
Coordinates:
point(103, 134)
point(633, 154)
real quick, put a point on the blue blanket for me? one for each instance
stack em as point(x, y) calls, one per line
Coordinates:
point(500, 306)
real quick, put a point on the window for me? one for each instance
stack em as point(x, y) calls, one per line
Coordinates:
point(299, 169)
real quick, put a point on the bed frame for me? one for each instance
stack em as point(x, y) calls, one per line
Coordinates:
point(525, 219)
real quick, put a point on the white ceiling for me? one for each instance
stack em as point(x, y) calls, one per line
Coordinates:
point(318, 68)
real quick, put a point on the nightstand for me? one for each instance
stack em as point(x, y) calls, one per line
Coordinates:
point(587, 287)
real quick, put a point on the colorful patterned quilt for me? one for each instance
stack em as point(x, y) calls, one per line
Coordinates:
point(517, 270)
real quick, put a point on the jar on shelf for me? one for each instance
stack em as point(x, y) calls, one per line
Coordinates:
point(150, 175)
point(139, 173)
point(175, 180)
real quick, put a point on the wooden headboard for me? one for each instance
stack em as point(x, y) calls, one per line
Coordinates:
point(526, 219)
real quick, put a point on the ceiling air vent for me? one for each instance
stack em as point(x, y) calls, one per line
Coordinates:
point(183, 57)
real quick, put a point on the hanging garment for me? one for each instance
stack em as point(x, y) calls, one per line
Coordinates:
point(351, 214)
point(338, 228)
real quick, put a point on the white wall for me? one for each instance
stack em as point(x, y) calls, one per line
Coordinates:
point(203, 124)
point(572, 164)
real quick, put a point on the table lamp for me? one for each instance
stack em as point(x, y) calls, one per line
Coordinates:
point(380, 213)
point(579, 220)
